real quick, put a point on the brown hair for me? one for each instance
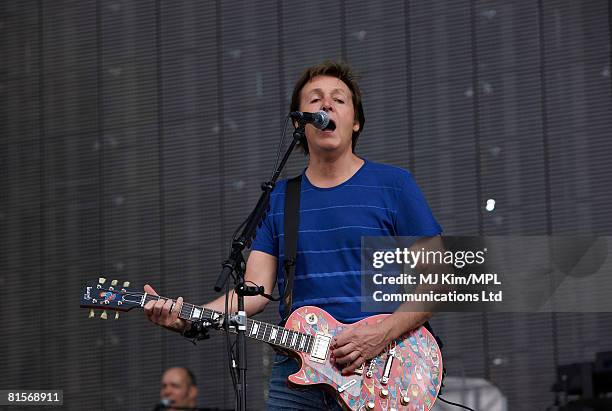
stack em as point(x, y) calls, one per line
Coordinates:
point(341, 71)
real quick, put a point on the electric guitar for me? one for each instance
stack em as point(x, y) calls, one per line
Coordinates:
point(405, 376)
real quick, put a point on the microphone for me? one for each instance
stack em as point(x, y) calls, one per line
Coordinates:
point(320, 119)
point(163, 404)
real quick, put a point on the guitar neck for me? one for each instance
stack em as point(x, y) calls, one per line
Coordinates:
point(258, 330)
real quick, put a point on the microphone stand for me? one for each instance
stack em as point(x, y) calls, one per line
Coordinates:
point(235, 264)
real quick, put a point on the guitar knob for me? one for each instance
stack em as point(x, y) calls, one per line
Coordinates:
point(404, 400)
point(370, 405)
point(384, 393)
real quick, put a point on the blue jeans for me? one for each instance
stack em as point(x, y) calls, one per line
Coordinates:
point(281, 397)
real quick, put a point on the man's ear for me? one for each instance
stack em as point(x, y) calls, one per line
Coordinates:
point(193, 392)
point(356, 126)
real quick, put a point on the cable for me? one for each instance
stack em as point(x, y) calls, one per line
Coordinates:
point(228, 342)
point(281, 144)
point(454, 403)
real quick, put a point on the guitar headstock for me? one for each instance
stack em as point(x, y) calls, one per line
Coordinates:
point(109, 295)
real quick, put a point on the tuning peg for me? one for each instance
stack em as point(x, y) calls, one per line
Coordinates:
point(101, 280)
point(116, 315)
point(104, 315)
point(92, 313)
point(114, 283)
point(126, 284)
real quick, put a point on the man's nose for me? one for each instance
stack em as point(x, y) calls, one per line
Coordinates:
point(327, 105)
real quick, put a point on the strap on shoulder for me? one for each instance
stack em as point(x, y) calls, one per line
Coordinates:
point(292, 222)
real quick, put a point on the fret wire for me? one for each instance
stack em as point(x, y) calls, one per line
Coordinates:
point(262, 327)
point(183, 313)
point(254, 326)
point(276, 335)
point(207, 314)
point(272, 328)
point(310, 343)
point(287, 333)
point(285, 338)
point(261, 331)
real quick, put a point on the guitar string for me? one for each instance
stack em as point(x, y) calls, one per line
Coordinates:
point(186, 313)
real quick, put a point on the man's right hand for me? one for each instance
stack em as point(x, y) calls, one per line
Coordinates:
point(163, 313)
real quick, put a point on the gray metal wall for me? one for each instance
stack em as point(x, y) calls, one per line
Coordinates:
point(134, 135)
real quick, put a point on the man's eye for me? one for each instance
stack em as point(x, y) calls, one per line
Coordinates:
point(314, 100)
point(339, 100)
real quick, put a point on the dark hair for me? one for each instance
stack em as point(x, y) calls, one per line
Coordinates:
point(191, 376)
point(341, 71)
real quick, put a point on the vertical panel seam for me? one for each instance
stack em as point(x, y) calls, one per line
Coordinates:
point(409, 111)
point(41, 164)
point(547, 188)
point(160, 158)
point(100, 137)
point(281, 60)
point(476, 109)
point(343, 54)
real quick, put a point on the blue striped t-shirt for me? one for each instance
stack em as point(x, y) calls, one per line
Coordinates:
point(378, 200)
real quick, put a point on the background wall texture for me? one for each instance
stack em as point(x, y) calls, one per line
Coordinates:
point(134, 136)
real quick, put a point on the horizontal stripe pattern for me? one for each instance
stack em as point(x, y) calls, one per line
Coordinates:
point(377, 200)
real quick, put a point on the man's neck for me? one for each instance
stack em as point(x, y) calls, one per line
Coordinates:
point(328, 171)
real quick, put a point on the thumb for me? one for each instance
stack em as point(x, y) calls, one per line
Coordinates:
point(149, 290)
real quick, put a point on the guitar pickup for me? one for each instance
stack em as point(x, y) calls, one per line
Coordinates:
point(320, 348)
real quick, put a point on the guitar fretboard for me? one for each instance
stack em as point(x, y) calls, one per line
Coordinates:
point(259, 330)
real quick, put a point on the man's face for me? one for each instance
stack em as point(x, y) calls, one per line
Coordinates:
point(332, 95)
point(176, 387)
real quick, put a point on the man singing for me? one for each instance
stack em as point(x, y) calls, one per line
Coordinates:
point(343, 197)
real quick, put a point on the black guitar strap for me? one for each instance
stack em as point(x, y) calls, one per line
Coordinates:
point(292, 222)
